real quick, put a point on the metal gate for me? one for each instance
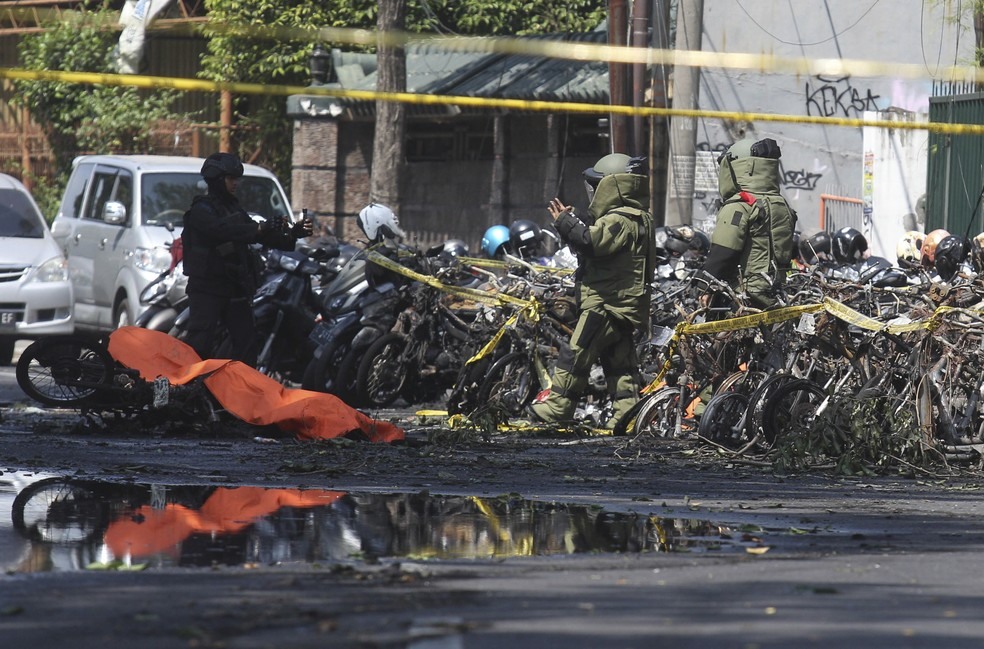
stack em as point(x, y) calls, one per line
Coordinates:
point(956, 162)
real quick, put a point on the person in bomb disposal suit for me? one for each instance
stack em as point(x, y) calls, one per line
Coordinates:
point(752, 242)
point(223, 270)
point(617, 259)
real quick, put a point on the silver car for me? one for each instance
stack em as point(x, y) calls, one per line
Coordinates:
point(118, 217)
point(35, 291)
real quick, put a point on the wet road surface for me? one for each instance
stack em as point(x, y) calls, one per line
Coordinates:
point(471, 544)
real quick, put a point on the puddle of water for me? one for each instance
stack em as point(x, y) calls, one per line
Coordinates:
point(51, 523)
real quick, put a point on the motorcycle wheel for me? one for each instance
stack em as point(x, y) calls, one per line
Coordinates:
point(655, 415)
point(464, 393)
point(719, 421)
point(791, 409)
point(57, 511)
point(382, 371)
point(510, 386)
point(320, 373)
point(64, 371)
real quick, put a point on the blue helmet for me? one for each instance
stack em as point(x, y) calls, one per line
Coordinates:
point(494, 238)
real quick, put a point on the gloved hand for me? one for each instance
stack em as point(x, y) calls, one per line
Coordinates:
point(303, 228)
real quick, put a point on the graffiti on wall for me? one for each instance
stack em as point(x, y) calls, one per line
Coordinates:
point(798, 178)
point(829, 97)
point(801, 179)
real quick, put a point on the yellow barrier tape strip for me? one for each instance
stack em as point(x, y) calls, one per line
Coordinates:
point(201, 85)
point(485, 297)
point(498, 263)
point(491, 344)
point(772, 316)
point(531, 311)
point(578, 51)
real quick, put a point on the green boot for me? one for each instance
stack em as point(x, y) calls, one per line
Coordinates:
point(554, 408)
point(561, 402)
point(619, 409)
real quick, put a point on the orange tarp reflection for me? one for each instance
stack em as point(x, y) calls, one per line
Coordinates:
point(243, 391)
point(148, 531)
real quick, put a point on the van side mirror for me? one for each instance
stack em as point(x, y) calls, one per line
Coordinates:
point(114, 213)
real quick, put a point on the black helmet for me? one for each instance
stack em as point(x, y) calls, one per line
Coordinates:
point(455, 248)
point(448, 249)
point(220, 165)
point(525, 237)
point(701, 243)
point(345, 253)
point(678, 239)
point(950, 253)
point(870, 267)
point(815, 248)
point(849, 245)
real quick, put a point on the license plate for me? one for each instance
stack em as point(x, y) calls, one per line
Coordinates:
point(162, 392)
point(8, 319)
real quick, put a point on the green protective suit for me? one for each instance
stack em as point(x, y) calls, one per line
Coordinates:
point(617, 262)
point(757, 222)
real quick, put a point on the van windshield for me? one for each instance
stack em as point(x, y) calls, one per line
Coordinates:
point(18, 216)
point(166, 196)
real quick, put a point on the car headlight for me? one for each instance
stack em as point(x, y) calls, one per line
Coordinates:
point(155, 260)
point(53, 270)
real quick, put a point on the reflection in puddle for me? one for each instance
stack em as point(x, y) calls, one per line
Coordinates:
point(69, 524)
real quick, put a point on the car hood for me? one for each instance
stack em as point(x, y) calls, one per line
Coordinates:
point(21, 251)
point(158, 236)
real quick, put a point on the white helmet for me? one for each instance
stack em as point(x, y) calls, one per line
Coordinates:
point(378, 220)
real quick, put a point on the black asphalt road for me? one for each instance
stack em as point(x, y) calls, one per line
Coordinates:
point(875, 562)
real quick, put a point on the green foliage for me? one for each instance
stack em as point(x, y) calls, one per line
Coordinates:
point(77, 117)
point(248, 58)
point(505, 17)
point(860, 436)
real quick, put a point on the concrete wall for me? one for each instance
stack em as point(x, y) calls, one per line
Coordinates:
point(821, 158)
point(895, 163)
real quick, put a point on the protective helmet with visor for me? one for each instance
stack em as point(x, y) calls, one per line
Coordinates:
point(378, 221)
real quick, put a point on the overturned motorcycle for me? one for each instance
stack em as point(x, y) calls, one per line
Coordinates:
point(150, 375)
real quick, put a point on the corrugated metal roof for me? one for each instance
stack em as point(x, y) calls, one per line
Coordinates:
point(432, 70)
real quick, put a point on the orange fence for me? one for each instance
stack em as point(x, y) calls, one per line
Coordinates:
point(837, 212)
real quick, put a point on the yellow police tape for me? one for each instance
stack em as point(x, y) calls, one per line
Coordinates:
point(831, 306)
point(201, 85)
point(559, 49)
point(501, 264)
point(485, 297)
point(527, 308)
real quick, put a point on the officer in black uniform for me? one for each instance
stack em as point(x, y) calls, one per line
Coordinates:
point(223, 270)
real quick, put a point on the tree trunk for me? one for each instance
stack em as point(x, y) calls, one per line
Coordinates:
point(388, 145)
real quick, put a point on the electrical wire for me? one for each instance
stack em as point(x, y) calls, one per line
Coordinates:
point(801, 44)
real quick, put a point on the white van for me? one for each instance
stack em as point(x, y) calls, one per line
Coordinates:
point(118, 216)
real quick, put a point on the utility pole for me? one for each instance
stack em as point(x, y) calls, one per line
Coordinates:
point(618, 25)
point(683, 130)
point(640, 38)
point(388, 143)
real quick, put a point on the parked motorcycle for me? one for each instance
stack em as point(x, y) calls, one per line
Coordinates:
point(164, 298)
point(286, 308)
point(355, 314)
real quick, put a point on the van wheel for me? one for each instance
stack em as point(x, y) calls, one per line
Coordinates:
point(7, 351)
point(121, 315)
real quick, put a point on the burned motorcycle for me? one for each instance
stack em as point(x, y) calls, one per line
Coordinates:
point(421, 357)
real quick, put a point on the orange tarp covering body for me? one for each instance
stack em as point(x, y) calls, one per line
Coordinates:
point(148, 531)
point(243, 391)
